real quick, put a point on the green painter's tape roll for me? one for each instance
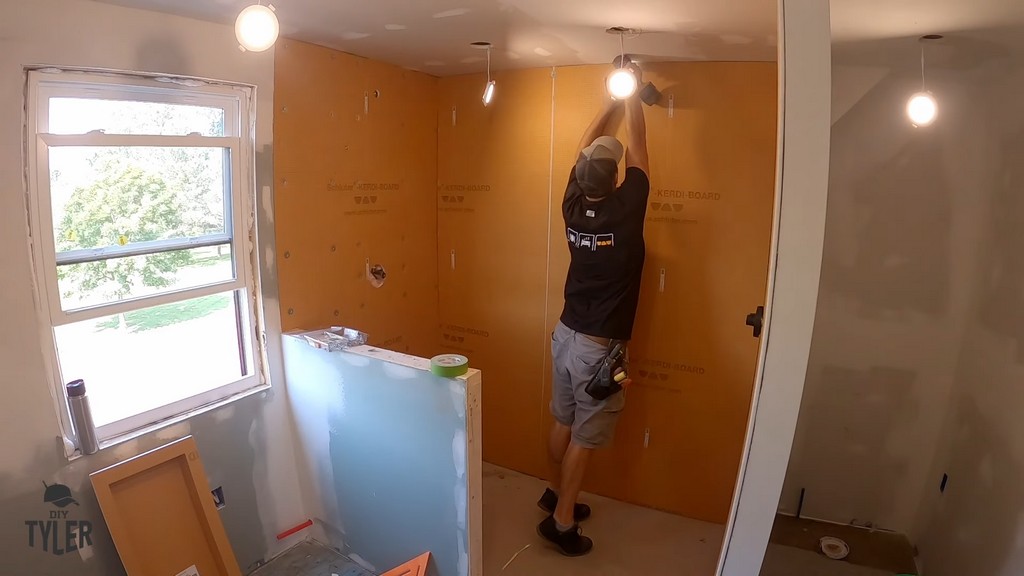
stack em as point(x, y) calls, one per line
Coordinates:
point(449, 365)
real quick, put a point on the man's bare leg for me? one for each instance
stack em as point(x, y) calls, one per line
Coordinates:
point(560, 528)
point(574, 465)
point(558, 445)
point(558, 442)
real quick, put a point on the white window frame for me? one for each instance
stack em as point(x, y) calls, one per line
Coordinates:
point(237, 101)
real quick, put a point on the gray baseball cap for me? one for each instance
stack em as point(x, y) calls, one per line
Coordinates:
point(604, 147)
point(597, 165)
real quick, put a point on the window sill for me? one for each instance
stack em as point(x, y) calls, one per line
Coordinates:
point(122, 438)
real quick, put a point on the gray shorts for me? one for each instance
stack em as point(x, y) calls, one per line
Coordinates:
point(576, 359)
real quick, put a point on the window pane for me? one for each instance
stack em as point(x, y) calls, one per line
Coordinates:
point(149, 358)
point(111, 196)
point(106, 281)
point(83, 115)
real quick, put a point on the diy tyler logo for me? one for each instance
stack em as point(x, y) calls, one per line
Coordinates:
point(59, 534)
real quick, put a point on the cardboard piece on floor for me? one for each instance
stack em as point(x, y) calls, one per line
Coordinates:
point(415, 567)
point(161, 516)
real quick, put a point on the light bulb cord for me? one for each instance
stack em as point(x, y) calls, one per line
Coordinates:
point(488, 64)
point(622, 50)
point(923, 84)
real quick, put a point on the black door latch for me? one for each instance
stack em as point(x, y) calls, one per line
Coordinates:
point(756, 321)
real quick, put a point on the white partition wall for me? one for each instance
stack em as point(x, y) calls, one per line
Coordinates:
point(804, 121)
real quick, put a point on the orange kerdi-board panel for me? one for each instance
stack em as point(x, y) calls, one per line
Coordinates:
point(679, 442)
point(462, 206)
point(355, 169)
point(493, 248)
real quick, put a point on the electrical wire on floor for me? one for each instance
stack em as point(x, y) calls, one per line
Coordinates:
point(514, 556)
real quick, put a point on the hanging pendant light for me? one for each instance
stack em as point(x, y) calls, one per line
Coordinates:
point(923, 108)
point(490, 86)
point(256, 28)
point(488, 92)
point(622, 83)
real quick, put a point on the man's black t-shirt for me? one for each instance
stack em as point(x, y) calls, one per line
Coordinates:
point(606, 242)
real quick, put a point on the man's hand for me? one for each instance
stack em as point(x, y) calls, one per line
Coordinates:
point(609, 103)
point(638, 73)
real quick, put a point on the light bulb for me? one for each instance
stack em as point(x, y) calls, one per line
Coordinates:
point(257, 28)
point(922, 109)
point(622, 84)
point(488, 93)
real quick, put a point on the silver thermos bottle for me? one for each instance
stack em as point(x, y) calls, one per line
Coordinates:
point(81, 415)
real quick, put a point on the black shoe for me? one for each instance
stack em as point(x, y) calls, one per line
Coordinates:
point(571, 542)
point(549, 501)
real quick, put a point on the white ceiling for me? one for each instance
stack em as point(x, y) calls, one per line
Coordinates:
point(434, 35)
point(886, 33)
point(860, 20)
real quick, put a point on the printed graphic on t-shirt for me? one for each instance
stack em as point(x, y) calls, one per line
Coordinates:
point(590, 241)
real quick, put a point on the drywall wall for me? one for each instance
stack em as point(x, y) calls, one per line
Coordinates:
point(502, 263)
point(973, 526)
point(246, 447)
point(389, 455)
point(797, 241)
point(903, 225)
point(355, 170)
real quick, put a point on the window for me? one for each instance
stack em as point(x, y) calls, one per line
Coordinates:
point(140, 200)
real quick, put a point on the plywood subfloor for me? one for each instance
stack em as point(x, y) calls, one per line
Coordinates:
point(886, 551)
point(311, 558)
point(628, 540)
point(787, 561)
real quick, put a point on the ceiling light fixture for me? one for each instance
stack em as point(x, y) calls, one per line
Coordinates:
point(622, 83)
point(922, 108)
point(489, 87)
point(257, 28)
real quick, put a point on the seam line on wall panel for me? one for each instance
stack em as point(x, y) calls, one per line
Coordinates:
point(547, 263)
point(437, 218)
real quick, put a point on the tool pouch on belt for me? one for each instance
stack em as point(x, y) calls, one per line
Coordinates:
point(603, 384)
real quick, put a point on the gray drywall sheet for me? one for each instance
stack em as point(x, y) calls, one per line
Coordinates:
point(245, 445)
point(383, 455)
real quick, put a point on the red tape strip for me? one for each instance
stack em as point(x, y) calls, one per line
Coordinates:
point(298, 528)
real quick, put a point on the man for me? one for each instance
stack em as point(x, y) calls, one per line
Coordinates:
point(605, 230)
